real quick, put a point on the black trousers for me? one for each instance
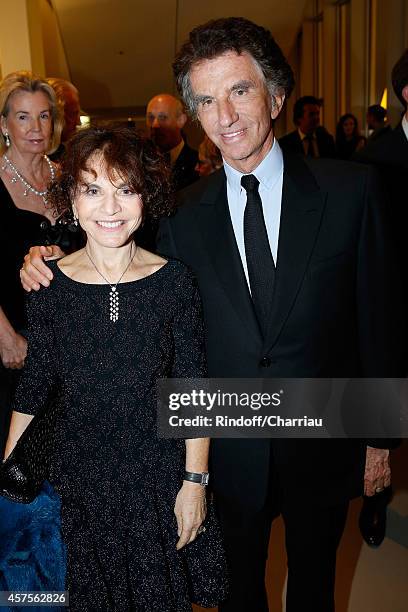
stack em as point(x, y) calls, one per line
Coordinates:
point(312, 535)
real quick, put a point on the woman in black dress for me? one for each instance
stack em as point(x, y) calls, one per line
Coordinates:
point(115, 319)
point(30, 128)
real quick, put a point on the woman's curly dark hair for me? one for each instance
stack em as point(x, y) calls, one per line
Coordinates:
point(133, 158)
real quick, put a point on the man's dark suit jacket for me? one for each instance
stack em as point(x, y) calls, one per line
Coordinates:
point(184, 172)
point(329, 316)
point(389, 155)
point(291, 143)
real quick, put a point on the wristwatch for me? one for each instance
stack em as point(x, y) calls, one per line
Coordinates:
point(201, 478)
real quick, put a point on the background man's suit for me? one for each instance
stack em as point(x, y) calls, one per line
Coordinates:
point(389, 155)
point(329, 319)
point(184, 172)
point(292, 143)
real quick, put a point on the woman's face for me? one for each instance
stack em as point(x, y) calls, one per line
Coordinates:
point(29, 122)
point(348, 127)
point(109, 212)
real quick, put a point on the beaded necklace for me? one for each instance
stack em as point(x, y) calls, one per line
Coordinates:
point(113, 293)
point(27, 186)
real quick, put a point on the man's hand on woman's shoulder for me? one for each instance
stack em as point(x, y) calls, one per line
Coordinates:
point(35, 271)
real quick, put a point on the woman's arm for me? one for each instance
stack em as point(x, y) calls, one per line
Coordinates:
point(189, 362)
point(197, 455)
point(19, 422)
point(190, 508)
point(13, 346)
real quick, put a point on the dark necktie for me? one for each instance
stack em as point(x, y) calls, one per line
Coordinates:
point(261, 268)
point(309, 147)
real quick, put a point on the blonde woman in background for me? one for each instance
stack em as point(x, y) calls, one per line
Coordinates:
point(30, 129)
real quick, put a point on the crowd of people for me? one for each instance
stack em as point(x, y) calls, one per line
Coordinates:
point(272, 260)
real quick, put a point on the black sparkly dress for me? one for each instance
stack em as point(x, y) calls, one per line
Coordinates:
point(117, 480)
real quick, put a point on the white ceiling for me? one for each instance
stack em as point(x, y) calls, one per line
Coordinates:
point(120, 51)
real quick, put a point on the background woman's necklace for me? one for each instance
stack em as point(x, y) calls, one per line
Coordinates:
point(27, 186)
point(113, 294)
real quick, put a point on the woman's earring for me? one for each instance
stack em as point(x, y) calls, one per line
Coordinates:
point(7, 139)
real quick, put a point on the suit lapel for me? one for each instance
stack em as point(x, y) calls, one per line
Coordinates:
point(219, 241)
point(301, 213)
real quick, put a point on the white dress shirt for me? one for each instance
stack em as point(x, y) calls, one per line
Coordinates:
point(270, 176)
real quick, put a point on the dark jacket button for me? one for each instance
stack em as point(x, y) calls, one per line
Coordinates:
point(265, 362)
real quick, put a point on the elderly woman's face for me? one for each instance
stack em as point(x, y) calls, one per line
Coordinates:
point(108, 211)
point(29, 122)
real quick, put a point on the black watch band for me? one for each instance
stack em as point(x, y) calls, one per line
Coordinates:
point(201, 478)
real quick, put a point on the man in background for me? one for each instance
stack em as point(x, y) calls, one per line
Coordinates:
point(165, 119)
point(310, 138)
point(388, 152)
point(377, 122)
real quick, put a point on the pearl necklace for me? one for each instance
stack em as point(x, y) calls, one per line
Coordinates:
point(28, 187)
point(113, 294)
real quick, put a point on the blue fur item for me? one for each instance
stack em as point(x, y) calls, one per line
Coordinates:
point(32, 554)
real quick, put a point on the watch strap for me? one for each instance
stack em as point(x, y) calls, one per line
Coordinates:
point(201, 478)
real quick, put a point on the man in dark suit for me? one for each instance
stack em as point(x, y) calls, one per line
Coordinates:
point(165, 119)
point(308, 307)
point(292, 265)
point(310, 138)
point(389, 154)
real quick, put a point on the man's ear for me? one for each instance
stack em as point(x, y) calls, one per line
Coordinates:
point(181, 120)
point(277, 105)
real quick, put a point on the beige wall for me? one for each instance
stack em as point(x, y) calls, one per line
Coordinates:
point(31, 40)
point(15, 51)
point(55, 61)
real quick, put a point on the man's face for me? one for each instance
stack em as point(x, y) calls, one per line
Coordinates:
point(235, 108)
point(310, 119)
point(72, 112)
point(164, 120)
point(372, 122)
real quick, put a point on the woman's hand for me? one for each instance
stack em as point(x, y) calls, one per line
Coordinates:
point(13, 350)
point(190, 510)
